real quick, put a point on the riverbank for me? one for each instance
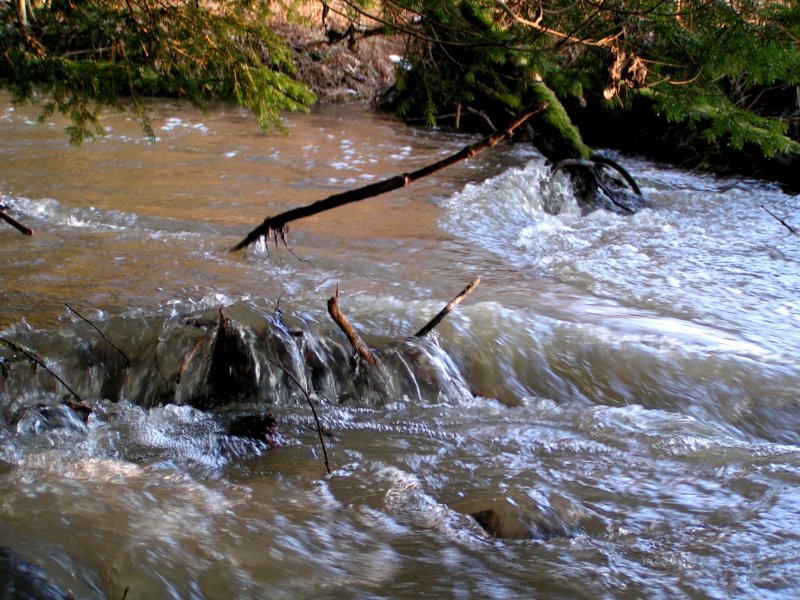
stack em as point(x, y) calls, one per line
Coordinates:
point(338, 63)
point(359, 66)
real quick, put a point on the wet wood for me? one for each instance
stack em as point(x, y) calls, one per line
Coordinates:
point(276, 226)
point(359, 346)
point(450, 306)
point(14, 223)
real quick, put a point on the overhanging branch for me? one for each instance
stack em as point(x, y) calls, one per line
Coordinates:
point(276, 226)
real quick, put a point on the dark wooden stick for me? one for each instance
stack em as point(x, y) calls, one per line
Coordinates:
point(14, 223)
point(355, 341)
point(291, 376)
point(276, 226)
point(20, 348)
point(781, 221)
point(108, 341)
point(450, 306)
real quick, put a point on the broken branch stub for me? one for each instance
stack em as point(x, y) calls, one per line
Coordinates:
point(450, 306)
point(359, 346)
point(275, 226)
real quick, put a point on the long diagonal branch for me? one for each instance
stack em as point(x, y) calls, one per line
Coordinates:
point(276, 226)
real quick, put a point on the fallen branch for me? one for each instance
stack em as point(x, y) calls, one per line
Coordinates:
point(108, 341)
point(781, 221)
point(32, 356)
point(277, 225)
point(450, 306)
point(359, 346)
point(291, 376)
point(14, 223)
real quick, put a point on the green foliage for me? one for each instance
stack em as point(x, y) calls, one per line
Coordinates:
point(704, 64)
point(93, 53)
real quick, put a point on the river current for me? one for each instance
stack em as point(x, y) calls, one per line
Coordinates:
point(619, 394)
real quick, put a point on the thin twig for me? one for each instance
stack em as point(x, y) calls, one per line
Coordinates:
point(14, 223)
point(291, 376)
point(110, 343)
point(164, 379)
point(20, 348)
point(781, 221)
point(450, 306)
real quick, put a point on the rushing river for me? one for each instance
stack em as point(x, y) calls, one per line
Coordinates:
point(619, 395)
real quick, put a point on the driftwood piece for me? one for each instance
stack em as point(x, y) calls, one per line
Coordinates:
point(14, 223)
point(450, 306)
point(276, 226)
point(359, 346)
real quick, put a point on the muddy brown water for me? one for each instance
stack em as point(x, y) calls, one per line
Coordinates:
point(621, 392)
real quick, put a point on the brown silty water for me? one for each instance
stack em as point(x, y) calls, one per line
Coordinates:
point(617, 399)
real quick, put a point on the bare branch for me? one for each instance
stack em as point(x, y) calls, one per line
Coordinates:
point(21, 349)
point(291, 376)
point(781, 221)
point(450, 306)
point(108, 341)
point(276, 226)
point(14, 223)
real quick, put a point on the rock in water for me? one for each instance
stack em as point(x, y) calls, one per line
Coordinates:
point(21, 580)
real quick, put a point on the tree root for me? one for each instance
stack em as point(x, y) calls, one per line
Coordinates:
point(594, 167)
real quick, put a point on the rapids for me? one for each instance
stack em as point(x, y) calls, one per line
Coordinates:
point(619, 393)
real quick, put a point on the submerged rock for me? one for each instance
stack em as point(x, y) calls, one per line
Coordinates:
point(21, 580)
point(262, 428)
point(528, 519)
